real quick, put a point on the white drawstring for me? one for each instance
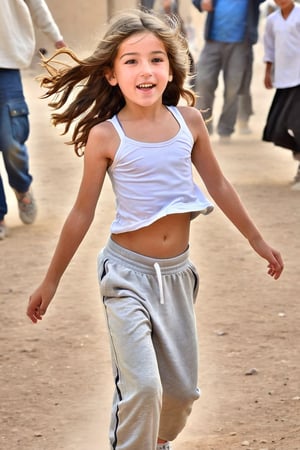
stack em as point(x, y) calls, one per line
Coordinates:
point(160, 284)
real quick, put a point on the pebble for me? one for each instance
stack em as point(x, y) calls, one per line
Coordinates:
point(252, 371)
point(37, 434)
point(220, 333)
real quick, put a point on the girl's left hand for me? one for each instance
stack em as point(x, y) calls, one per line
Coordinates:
point(275, 266)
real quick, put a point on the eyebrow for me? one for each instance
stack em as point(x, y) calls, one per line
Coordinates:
point(155, 52)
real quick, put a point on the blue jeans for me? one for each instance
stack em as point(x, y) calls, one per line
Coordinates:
point(148, 4)
point(231, 59)
point(14, 132)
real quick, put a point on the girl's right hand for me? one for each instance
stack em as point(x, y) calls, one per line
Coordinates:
point(39, 302)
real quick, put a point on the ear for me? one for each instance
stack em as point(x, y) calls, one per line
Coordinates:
point(170, 77)
point(111, 78)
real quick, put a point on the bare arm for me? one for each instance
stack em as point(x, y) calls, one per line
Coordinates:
point(224, 194)
point(76, 224)
point(44, 21)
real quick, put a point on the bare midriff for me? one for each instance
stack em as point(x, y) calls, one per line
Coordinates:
point(165, 238)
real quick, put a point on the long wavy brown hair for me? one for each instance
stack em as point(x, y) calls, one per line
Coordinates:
point(96, 100)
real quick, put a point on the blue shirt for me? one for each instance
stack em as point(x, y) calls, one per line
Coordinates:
point(230, 21)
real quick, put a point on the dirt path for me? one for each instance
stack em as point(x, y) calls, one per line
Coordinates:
point(55, 379)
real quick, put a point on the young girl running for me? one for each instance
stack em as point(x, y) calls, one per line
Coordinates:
point(130, 127)
point(282, 58)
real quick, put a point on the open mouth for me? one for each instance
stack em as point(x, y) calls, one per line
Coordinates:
point(145, 86)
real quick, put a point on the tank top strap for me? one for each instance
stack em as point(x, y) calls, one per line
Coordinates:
point(173, 110)
point(178, 116)
point(180, 119)
point(115, 121)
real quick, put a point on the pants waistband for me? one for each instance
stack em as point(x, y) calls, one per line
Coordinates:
point(146, 264)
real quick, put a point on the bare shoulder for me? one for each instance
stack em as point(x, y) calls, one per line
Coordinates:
point(103, 130)
point(190, 113)
point(193, 119)
point(103, 140)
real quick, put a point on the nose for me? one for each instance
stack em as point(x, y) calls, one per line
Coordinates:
point(145, 68)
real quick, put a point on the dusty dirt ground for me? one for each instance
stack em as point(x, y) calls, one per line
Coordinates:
point(55, 378)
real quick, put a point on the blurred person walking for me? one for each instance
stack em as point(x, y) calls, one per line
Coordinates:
point(230, 32)
point(147, 4)
point(282, 58)
point(17, 46)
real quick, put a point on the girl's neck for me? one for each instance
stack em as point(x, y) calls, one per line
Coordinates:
point(157, 126)
point(136, 113)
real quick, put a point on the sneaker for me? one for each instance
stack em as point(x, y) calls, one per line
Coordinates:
point(27, 207)
point(3, 230)
point(243, 127)
point(296, 181)
point(224, 139)
point(165, 446)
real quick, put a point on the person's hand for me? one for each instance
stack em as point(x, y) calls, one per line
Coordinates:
point(275, 266)
point(60, 44)
point(39, 302)
point(167, 6)
point(207, 5)
point(268, 81)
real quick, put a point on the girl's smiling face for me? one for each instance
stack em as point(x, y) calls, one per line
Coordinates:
point(141, 69)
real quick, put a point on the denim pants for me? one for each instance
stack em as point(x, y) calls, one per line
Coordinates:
point(14, 131)
point(231, 59)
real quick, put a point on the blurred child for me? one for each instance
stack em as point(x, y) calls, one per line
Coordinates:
point(282, 58)
point(17, 46)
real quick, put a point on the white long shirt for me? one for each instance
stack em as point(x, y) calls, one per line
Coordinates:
point(17, 37)
point(282, 47)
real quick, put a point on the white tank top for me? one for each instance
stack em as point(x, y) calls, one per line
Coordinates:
point(155, 179)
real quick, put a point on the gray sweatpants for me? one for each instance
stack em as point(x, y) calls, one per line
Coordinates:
point(149, 306)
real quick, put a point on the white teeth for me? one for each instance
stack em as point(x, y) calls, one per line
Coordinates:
point(145, 86)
